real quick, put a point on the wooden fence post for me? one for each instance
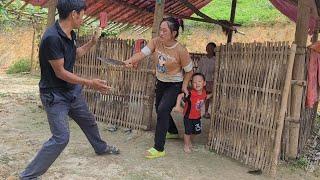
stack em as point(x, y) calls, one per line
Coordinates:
point(282, 114)
point(51, 12)
point(158, 16)
point(232, 17)
point(301, 36)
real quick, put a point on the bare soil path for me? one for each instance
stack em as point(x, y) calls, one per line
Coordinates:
point(23, 129)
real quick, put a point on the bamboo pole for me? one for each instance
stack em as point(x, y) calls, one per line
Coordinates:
point(284, 101)
point(158, 16)
point(32, 50)
point(298, 74)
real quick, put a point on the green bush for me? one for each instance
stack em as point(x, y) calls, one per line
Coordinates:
point(23, 65)
point(300, 163)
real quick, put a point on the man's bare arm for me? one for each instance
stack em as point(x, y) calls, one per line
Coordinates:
point(69, 77)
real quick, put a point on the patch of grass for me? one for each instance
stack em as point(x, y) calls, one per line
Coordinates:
point(4, 159)
point(300, 163)
point(3, 94)
point(22, 65)
point(248, 12)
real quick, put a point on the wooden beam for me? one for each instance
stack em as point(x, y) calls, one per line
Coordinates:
point(195, 10)
point(144, 30)
point(207, 18)
point(147, 12)
point(158, 17)
point(25, 14)
point(51, 13)
point(100, 9)
point(232, 17)
point(110, 25)
point(118, 25)
point(301, 36)
point(282, 113)
point(88, 23)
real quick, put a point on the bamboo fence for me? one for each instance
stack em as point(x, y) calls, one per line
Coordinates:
point(196, 57)
point(130, 101)
point(249, 103)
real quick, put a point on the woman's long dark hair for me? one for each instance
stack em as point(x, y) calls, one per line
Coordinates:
point(174, 24)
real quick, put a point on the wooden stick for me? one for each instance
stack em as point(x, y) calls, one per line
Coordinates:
point(284, 101)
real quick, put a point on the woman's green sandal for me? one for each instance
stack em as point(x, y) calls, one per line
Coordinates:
point(172, 136)
point(152, 153)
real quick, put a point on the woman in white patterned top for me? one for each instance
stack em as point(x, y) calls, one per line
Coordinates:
point(174, 69)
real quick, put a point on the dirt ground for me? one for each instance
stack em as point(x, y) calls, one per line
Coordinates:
point(24, 128)
point(15, 44)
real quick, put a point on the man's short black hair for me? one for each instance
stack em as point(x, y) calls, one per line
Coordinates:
point(198, 74)
point(65, 7)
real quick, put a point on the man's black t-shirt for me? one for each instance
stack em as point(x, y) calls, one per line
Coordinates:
point(56, 45)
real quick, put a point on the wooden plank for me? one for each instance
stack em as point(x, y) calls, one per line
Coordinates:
point(284, 102)
point(158, 16)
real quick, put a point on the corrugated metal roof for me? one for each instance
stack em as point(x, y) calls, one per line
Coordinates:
point(133, 12)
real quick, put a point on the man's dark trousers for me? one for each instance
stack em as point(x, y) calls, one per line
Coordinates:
point(59, 104)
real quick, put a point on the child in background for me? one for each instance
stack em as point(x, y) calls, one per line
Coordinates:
point(192, 109)
point(206, 67)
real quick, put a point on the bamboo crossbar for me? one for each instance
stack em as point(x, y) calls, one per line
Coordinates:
point(251, 88)
point(237, 120)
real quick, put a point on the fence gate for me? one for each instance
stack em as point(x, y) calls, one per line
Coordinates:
point(246, 122)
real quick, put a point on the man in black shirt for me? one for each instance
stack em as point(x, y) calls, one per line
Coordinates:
point(60, 88)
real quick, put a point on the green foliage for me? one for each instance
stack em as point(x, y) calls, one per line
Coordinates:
point(3, 12)
point(300, 163)
point(248, 12)
point(7, 18)
point(23, 65)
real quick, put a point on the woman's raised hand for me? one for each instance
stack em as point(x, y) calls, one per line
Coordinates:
point(129, 64)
